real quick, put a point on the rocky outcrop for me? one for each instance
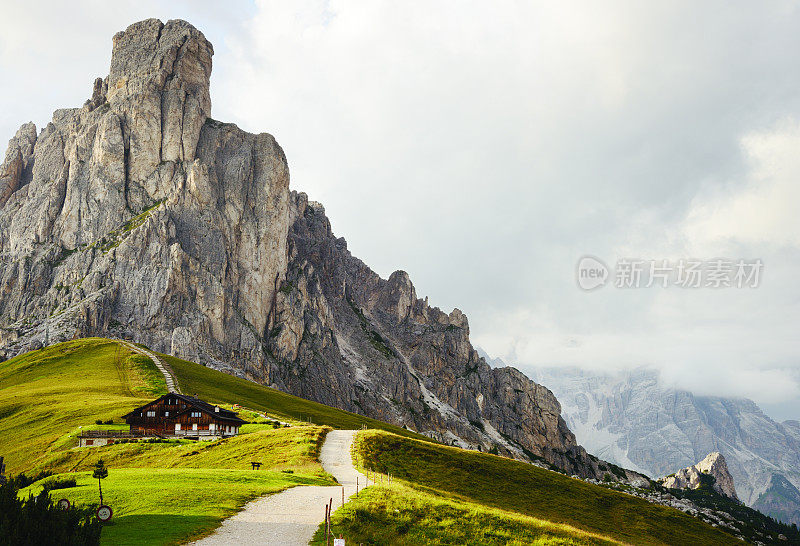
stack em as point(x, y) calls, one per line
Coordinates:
point(713, 465)
point(139, 216)
point(18, 162)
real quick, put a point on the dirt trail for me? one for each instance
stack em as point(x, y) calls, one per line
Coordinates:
point(292, 516)
point(171, 385)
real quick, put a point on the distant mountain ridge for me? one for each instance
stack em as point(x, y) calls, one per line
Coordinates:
point(633, 420)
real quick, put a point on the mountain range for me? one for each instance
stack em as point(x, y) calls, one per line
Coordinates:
point(635, 420)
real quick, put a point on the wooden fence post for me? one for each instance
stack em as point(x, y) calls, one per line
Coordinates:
point(327, 525)
point(330, 509)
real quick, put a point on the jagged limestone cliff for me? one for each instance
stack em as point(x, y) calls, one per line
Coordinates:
point(713, 465)
point(138, 215)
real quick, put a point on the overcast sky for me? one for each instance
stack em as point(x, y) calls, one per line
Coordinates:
point(485, 147)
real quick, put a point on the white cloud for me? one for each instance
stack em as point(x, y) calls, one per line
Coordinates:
point(764, 211)
point(485, 147)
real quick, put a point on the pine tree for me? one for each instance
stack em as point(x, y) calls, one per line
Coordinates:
point(100, 472)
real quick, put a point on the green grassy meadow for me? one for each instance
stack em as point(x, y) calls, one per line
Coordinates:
point(172, 505)
point(399, 514)
point(161, 493)
point(488, 481)
point(292, 448)
point(47, 394)
point(171, 491)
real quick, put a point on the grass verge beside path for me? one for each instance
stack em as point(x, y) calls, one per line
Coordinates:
point(505, 484)
point(294, 448)
point(171, 505)
point(399, 515)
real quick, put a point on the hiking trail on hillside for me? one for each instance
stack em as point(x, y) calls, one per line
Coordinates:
point(171, 384)
point(292, 516)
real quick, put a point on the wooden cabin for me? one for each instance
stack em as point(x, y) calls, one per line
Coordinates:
point(180, 416)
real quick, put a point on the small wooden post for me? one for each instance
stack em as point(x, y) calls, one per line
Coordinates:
point(330, 510)
point(356, 486)
point(342, 495)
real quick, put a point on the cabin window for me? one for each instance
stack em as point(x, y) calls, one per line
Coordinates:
point(196, 414)
point(194, 426)
point(177, 427)
point(166, 414)
point(211, 426)
point(89, 442)
point(151, 413)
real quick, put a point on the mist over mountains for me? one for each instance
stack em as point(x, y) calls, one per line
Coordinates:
point(636, 421)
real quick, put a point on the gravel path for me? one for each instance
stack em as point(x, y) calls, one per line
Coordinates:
point(171, 386)
point(292, 516)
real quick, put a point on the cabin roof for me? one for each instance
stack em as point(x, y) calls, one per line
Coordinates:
point(193, 403)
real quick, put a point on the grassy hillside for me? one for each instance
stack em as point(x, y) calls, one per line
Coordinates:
point(293, 448)
point(45, 394)
point(171, 491)
point(216, 386)
point(164, 492)
point(479, 480)
point(402, 515)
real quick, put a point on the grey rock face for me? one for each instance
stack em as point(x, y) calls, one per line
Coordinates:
point(635, 421)
point(713, 465)
point(138, 215)
point(347, 338)
point(18, 162)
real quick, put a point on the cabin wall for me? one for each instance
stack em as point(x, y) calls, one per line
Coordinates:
point(161, 416)
point(94, 442)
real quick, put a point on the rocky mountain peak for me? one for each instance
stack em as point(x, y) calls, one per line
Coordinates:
point(139, 216)
point(713, 465)
point(159, 86)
